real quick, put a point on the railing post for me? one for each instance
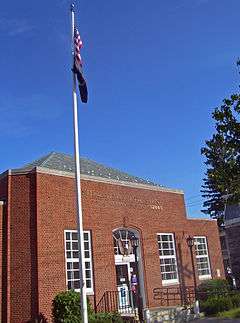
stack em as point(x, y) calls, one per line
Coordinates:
point(108, 301)
point(105, 304)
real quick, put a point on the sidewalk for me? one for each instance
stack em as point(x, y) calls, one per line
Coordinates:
point(215, 319)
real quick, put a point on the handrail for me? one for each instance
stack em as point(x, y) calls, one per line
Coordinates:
point(123, 302)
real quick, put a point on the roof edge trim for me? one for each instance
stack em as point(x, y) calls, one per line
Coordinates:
point(203, 219)
point(6, 173)
point(44, 170)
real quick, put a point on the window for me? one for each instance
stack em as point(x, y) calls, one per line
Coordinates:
point(168, 261)
point(201, 251)
point(72, 261)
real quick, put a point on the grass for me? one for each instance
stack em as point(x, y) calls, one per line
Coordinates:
point(233, 313)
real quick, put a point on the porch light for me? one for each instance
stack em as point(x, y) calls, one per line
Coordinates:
point(190, 241)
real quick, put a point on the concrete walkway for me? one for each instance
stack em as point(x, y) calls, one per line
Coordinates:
point(217, 320)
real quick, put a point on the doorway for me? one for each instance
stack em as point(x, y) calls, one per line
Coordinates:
point(129, 271)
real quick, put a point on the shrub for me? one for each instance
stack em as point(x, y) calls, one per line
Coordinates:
point(65, 307)
point(105, 317)
point(212, 287)
point(235, 298)
point(214, 305)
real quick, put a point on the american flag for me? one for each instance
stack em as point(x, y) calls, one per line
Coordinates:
point(77, 46)
point(77, 66)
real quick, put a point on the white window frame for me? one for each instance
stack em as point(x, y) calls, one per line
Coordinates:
point(203, 277)
point(89, 291)
point(174, 281)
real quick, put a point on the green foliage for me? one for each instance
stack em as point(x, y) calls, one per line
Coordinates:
point(66, 308)
point(105, 317)
point(212, 287)
point(216, 296)
point(233, 314)
point(222, 154)
point(235, 299)
point(215, 304)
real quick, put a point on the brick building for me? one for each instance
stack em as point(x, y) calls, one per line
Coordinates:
point(230, 241)
point(39, 243)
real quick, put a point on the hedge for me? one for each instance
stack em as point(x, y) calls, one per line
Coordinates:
point(211, 288)
point(66, 309)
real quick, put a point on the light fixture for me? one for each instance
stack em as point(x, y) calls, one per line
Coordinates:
point(190, 241)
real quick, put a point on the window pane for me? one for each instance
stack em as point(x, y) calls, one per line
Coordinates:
point(88, 283)
point(85, 236)
point(75, 245)
point(76, 284)
point(76, 265)
point(88, 274)
point(76, 274)
point(74, 236)
point(164, 238)
point(87, 254)
point(70, 285)
point(69, 274)
point(75, 254)
point(87, 264)
point(68, 246)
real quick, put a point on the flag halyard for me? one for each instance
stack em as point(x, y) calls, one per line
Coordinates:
point(77, 66)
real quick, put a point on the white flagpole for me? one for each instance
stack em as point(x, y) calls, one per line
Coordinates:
point(83, 294)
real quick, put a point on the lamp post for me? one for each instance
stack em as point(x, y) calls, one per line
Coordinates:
point(190, 243)
point(135, 245)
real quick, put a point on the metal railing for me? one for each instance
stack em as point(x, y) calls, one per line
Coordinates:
point(173, 296)
point(123, 302)
point(185, 296)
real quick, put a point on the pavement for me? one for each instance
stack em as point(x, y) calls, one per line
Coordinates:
point(217, 320)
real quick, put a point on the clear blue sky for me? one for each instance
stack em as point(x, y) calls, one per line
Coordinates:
point(155, 71)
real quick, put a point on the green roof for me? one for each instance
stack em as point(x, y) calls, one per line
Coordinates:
point(66, 163)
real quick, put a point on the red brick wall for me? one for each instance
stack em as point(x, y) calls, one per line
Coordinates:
point(1, 236)
point(23, 270)
point(42, 207)
point(105, 208)
point(4, 251)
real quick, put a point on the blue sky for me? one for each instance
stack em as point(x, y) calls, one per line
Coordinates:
point(155, 70)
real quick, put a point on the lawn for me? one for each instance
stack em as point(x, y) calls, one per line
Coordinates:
point(233, 313)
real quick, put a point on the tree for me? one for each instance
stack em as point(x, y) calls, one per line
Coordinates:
point(222, 154)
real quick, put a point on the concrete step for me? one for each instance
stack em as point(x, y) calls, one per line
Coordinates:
point(170, 314)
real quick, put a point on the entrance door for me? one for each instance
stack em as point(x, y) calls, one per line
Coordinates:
point(123, 286)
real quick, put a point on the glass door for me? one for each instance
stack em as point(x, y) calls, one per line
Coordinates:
point(123, 287)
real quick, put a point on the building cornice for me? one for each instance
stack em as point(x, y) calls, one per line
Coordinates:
point(232, 222)
point(43, 170)
point(202, 219)
point(6, 173)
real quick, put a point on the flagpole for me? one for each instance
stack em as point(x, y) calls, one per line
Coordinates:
point(83, 294)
